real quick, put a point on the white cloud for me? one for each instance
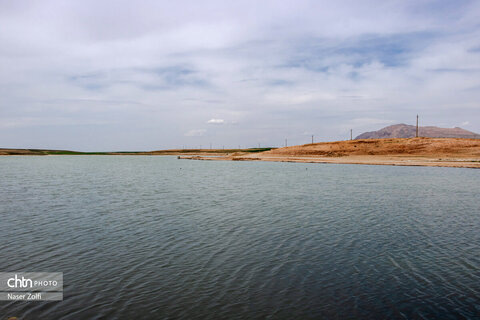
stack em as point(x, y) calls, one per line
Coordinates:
point(216, 121)
point(195, 133)
point(275, 68)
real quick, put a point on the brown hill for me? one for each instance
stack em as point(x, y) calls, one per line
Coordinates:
point(438, 152)
point(408, 131)
point(441, 147)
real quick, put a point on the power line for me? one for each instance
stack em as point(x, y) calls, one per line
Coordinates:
point(416, 132)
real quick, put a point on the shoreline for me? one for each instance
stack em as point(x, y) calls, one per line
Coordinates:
point(367, 160)
point(168, 152)
point(429, 152)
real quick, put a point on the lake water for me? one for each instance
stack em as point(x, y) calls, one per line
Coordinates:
point(144, 237)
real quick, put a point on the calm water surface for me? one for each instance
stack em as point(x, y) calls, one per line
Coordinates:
point(141, 237)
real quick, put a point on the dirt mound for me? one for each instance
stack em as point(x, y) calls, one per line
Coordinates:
point(410, 146)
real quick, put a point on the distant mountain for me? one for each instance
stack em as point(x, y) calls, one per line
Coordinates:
point(407, 131)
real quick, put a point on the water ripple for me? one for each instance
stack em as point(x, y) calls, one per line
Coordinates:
point(154, 237)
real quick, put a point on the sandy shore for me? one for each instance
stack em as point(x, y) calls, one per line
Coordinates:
point(432, 152)
point(366, 160)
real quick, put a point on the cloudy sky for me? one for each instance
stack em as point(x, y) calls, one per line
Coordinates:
point(146, 75)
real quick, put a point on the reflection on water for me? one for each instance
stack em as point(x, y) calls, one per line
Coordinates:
point(141, 237)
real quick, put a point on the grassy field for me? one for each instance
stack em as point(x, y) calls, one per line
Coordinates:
point(45, 152)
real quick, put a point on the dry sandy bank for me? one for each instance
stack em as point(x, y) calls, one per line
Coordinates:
point(435, 152)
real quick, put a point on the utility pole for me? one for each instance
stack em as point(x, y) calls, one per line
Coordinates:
point(351, 134)
point(312, 138)
point(416, 132)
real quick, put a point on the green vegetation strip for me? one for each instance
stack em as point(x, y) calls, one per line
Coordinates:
point(159, 152)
